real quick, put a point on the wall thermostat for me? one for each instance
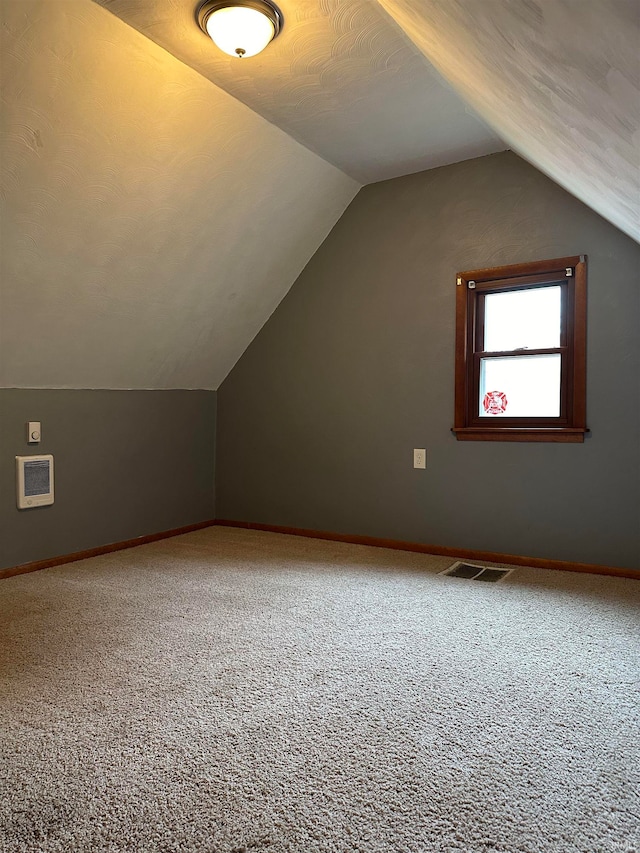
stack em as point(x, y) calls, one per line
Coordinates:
point(34, 481)
point(34, 433)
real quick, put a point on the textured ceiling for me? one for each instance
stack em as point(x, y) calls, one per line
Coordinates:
point(342, 78)
point(559, 80)
point(150, 222)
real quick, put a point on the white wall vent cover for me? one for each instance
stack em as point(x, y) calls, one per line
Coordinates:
point(469, 571)
point(34, 481)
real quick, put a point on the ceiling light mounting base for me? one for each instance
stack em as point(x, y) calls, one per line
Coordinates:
point(268, 9)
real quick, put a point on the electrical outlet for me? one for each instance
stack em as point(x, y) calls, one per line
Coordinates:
point(420, 458)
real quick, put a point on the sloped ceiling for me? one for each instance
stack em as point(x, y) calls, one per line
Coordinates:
point(559, 80)
point(150, 222)
point(341, 78)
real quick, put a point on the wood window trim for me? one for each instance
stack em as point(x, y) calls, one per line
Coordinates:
point(571, 426)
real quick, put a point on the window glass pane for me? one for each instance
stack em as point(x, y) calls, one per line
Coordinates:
point(522, 319)
point(520, 387)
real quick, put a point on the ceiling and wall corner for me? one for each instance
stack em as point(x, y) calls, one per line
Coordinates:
point(559, 80)
point(151, 223)
point(342, 78)
point(362, 82)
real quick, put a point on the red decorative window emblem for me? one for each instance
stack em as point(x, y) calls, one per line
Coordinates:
point(495, 402)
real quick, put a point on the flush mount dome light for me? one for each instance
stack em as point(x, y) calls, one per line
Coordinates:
point(240, 28)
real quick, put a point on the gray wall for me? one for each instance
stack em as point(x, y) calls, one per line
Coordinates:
point(127, 463)
point(318, 420)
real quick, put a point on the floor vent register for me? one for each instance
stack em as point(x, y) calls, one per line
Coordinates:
point(476, 573)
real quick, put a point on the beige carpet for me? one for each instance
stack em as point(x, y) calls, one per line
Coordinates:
point(242, 691)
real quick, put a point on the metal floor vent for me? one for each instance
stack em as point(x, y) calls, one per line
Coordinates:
point(475, 573)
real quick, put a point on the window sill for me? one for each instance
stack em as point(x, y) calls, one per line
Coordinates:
point(561, 434)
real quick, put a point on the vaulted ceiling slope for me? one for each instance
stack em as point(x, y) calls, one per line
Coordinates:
point(559, 80)
point(556, 80)
point(341, 78)
point(150, 222)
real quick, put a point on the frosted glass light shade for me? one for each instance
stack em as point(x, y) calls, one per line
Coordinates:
point(240, 30)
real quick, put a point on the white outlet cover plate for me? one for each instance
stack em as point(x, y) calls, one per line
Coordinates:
point(420, 458)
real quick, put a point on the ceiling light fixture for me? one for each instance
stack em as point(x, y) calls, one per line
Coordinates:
point(240, 28)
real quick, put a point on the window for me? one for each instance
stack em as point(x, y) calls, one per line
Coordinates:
point(521, 352)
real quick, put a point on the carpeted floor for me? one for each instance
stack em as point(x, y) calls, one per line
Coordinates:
point(241, 691)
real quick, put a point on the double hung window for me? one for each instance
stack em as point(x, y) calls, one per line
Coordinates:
point(521, 352)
